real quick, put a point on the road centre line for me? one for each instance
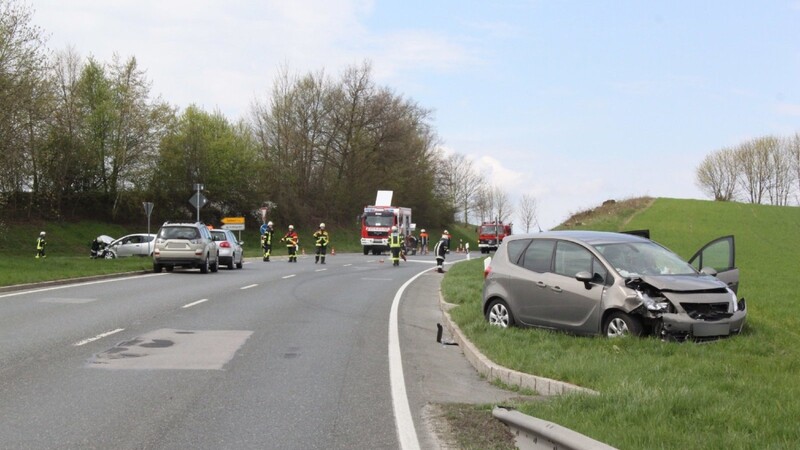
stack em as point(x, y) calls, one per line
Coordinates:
point(288, 276)
point(347, 265)
point(320, 270)
point(99, 336)
point(248, 286)
point(189, 305)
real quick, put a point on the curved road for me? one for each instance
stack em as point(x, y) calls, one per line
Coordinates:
point(275, 355)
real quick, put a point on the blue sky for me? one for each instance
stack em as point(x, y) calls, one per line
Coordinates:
point(573, 102)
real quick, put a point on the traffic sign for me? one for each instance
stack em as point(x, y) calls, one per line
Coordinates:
point(263, 229)
point(233, 226)
point(198, 200)
point(233, 220)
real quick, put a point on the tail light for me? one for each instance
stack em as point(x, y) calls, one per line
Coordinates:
point(487, 271)
point(225, 244)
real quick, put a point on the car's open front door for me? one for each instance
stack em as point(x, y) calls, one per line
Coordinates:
point(720, 255)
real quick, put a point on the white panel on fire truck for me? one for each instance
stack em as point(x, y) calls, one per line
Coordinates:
point(384, 198)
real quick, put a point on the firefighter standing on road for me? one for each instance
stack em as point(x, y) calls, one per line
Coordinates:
point(266, 241)
point(423, 241)
point(291, 240)
point(41, 243)
point(440, 251)
point(395, 244)
point(321, 239)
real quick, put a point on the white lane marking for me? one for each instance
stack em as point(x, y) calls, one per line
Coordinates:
point(189, 305)
point(248, 286)
point(320, 270)
point(99, 336)
point(347, 265)
point(88, 283)
point(377, 279)
point(288, 276)
point(406, 432)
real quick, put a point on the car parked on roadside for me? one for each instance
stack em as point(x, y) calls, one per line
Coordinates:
point(187, 245)
point(230, 249)
point(613, 284)
point(140, 244)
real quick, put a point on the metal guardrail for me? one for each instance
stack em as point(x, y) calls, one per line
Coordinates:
point(531, 433)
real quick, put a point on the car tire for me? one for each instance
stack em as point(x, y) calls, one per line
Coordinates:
point(499, 314)
point(619, 324)
point(109, 255)
point(157, 268)
point(204, 266)
point(230, 264)
point(241, 261)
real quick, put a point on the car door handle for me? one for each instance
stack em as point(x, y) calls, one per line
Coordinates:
point(541, 284)
point(556, 289)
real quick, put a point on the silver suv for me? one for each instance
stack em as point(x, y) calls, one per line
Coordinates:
point(185, 245)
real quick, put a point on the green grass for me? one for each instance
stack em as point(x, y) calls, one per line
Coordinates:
point(741, 392)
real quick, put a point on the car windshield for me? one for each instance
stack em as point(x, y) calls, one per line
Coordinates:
point(219, 236)
point(378, 221)
point(643, 258)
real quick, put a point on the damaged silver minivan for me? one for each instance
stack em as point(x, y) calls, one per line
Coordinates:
point(614, 284)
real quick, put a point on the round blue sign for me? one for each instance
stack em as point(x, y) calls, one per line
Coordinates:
point(263, 229)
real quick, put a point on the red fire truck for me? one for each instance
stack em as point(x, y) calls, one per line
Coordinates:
point(377, 223)
point(491, 234)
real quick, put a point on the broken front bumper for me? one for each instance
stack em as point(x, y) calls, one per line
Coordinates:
point(684, 327)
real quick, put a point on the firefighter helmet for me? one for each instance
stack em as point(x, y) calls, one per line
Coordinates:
point(322, 225)
point(291, 227)
point(42, 233)
point(269, 224)
point(394, 228)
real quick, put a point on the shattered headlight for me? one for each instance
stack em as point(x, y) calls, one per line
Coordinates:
point(734, 301)
point(658, 304)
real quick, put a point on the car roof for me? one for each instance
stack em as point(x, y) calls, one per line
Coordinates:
point(585, 236)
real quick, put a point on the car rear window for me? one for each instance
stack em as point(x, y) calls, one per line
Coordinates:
point(538, 255)
point(187, 233)
point(515, 249)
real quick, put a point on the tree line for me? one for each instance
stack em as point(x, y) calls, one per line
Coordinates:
point(764, 170)
point(82, 138)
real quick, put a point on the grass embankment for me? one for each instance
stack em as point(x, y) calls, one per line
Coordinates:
point(741, 392)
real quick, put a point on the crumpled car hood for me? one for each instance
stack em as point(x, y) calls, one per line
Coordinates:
point(685, 283)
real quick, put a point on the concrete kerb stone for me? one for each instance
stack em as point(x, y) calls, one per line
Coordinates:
point(490, 370)
point(44, 284)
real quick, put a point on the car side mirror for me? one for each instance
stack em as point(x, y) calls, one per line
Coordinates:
point(241, 242)
point(709, 271)
point(584, 276)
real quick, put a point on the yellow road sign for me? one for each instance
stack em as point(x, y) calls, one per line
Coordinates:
point(233, 220)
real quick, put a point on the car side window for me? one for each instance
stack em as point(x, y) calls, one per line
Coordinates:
point(571, 258)
point(515, 249)
point(599, 271)
point(538, 255)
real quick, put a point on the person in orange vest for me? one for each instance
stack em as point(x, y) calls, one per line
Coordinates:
point(395, 246)
point(292, 240)
point(321, 240)
point(41, 243)
point(423, 241)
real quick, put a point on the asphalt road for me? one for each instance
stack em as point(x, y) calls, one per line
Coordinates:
point(275, 355)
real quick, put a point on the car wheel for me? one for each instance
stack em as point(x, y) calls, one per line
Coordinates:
point(499, 314)
point(109, 255)
point(215, 264)
point(230, 264)
point(241, 261)
point(619, 324)
point(204, 266)
point(157, 268)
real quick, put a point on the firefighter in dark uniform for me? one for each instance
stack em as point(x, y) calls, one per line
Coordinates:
point(266, 241)
point(321, 239)
point(291, 240)
point(41, 243)
point(395, 246)
point(440, 250)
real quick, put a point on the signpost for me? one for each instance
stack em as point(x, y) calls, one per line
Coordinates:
point(198, 200)
point(148, 209)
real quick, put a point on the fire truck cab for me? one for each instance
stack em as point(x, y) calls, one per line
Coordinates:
point(491, 234)
point(377, 223)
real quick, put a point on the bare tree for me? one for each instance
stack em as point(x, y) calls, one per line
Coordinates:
point(753, 158)
point(782, 175)
point(528, 211)
point(793, 148)
point(460, 181)
point(717, 175)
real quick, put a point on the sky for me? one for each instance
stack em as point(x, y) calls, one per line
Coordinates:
point(571, 102)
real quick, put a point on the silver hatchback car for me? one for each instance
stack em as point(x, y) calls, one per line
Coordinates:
point(614, 284)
